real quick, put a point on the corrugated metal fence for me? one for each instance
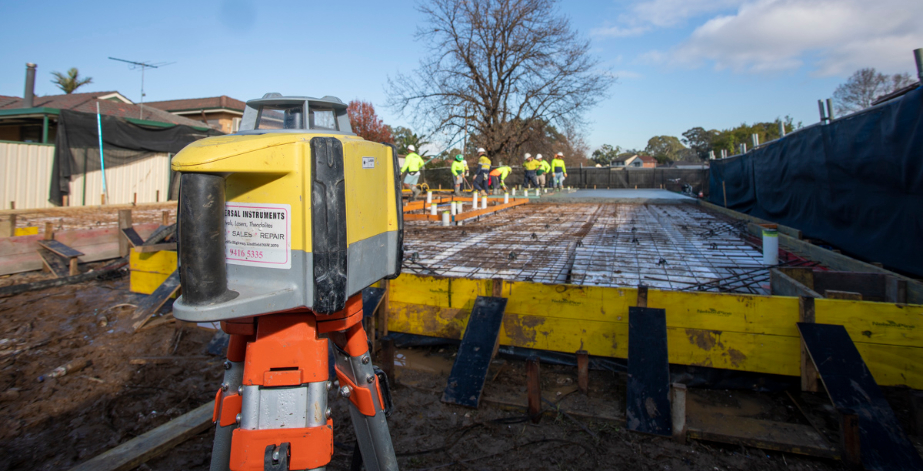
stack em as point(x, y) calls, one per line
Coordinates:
point(26, 176)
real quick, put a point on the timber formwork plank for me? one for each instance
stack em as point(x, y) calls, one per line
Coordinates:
point(371, 299)
point(764, 434)
point(469, 372)
point(648, 405)
point(152, 444)
point(851, 387)
point(155, 301)
point(60, 249)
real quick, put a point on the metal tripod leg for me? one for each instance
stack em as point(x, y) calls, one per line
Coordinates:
point(360, 384)
point(233, 373)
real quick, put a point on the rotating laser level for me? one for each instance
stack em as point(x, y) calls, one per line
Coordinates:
point(281, 226)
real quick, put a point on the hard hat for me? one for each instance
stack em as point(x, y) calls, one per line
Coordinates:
point(528, 156)
point(459, 157)
point(481, 150)
point(539, 156)
point(411, 148)
point(559, 153)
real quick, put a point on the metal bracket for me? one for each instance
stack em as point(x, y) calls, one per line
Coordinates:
point(276, 457)
point(385, 387)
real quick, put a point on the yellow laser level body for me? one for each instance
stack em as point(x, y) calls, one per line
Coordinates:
point(293, 211)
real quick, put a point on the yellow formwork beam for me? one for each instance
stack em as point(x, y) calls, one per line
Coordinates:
point(732, 331)
point(149, 270)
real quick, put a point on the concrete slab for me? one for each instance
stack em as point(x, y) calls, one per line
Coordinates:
point(622, 195)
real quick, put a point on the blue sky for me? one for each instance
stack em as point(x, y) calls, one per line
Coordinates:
point(680, 63)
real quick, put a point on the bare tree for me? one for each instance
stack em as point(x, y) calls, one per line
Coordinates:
point(502, 64)
point(864, 86)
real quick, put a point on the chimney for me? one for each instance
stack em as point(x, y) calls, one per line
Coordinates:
point(28, 97)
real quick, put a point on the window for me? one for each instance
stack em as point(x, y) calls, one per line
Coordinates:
point(323, 118)
point(281, 117)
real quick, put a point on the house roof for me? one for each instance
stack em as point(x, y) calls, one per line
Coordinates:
point(196, 104)
point(647, 159)
point(110, 104)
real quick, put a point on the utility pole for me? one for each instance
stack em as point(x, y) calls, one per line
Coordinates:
point(142, 65)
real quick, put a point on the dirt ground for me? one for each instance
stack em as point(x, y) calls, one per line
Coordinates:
point(63, 421)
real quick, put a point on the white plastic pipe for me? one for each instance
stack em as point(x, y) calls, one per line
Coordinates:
point(483, 203)
point(454, 209)
point(770, 247)
point(475, 200)
point(445, 218)
point(506, 198)
point(429, 197)
point(432, 209)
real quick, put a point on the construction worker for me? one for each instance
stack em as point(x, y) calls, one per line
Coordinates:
point(498, 177)
point(530, 167)
point(541, 171)
point(559, 170)
point(480, 180)
point(412, 165)
point(459, 170)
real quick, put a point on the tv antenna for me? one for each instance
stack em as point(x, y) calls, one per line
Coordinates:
point(142, 66)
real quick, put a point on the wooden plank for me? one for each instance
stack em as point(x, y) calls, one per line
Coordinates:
point(72, 210)
point(469, 372)
point(648, 388)
point(870, 322)
point(763, 434)
point(784, 285)
point(152, 444)
point(38, 285)
point(54, 263)
point(60, 249)
point(851, 386)
point(131, 235)
point(870, 285)
point(124, 223)
point(803, 275)
point(146, 283)
point(746, 217)
point(171, 246)
point(490, 209)
point(678, 412)
point(834, 294)
point(155, 301)
point(809, 377)
point(155, 262)
point(841, 262)
point(895, 290)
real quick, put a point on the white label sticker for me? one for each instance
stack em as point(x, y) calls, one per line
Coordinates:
point(258, 234)
point(368, 162)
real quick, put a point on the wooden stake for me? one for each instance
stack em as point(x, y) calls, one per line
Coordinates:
point(725, 190)
point(583, 371)
point(642, 296)
point(124, 223)
point(534, 387)
point(165, 218)
point(49, 231)
point(102, 199)
point(65, 201)
point(8, 226)
point(73, 270)
point(157, 196)
point(134, 201)
point(678, 412)
point(849, 439)
point(809, 373)
point(386, 358)
point(12, 205)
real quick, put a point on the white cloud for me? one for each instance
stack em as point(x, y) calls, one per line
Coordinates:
point(832, 37)
point(627, 74)
point(619, 31)
point(647, 15)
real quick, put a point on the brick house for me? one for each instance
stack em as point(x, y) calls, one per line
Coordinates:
point(220, 112)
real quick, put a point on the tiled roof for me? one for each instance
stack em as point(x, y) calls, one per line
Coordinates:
point(222, 101)
point(647, 159)
point(86, 103)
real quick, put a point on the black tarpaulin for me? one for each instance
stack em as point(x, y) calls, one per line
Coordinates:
point(856, 183)
point(77, 146)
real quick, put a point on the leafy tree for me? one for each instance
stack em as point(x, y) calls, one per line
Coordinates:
point(606, 154)
point(664, 148)
point(700, 141)
point(366, 124)
point(499, 67)
point(864, 86)
point(70, 82)
point(404, 137)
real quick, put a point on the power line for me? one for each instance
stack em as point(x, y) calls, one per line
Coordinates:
point(142, 65)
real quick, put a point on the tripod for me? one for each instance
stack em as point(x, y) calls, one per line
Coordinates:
point(271, 410)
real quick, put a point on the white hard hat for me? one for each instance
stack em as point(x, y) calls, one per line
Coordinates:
point(539, 156)
point(559, 153)
point(411, 148)
point(528, 156)
point(481, 150)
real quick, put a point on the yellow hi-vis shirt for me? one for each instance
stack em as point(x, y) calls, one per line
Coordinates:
point(458, 168)
point(558, 163)
point(412, 163)
point(543, 167)
point(530, 165)
point(484, 162)
point(501, 172)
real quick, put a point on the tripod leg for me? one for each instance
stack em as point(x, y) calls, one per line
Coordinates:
point(233, 373)
point(359, 383)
